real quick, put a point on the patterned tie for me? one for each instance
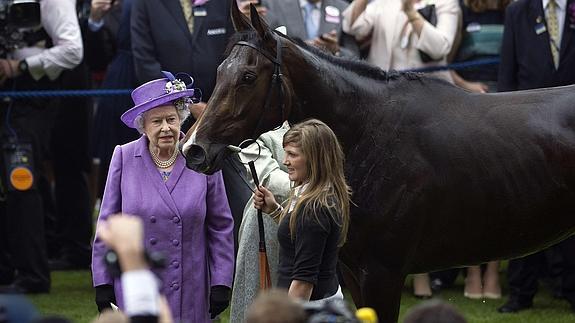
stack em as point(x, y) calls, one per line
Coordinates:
point(188, 14)
point(553, 31)
point(310, 25)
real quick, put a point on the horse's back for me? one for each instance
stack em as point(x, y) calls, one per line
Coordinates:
point(505, 165)
point(490, 170)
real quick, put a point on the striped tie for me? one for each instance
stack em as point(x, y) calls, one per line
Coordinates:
point(188, 14)
point(553, 31)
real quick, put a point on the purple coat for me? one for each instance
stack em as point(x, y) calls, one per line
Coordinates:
point(187, 218)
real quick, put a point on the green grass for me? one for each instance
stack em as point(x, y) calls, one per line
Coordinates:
point(72, 296)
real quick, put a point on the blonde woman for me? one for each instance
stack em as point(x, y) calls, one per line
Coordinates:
point(313, 224)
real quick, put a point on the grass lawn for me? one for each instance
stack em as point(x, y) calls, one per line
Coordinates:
point(72, 297)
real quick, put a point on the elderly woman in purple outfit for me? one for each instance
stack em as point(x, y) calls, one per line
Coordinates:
point(186, 214)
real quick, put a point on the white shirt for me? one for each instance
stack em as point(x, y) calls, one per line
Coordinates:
point(60, 21)
point(560, 9)
point(140, 293)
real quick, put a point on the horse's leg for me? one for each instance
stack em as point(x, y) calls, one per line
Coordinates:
point(381, 289)
point(350, 278)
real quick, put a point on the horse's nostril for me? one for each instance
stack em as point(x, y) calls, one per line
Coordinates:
point(196, 155)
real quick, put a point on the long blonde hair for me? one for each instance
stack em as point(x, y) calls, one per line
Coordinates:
point(326, 185)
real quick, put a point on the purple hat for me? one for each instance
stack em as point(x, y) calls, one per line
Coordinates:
point(156, 93)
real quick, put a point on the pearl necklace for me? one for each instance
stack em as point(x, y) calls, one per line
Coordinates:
point(164, 163)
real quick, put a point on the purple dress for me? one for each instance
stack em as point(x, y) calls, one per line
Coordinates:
point(187, 218)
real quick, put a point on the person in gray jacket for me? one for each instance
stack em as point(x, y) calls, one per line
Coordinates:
point(273, 175)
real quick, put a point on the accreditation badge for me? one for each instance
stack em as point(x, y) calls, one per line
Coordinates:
point(332, 15)
point(18, 161)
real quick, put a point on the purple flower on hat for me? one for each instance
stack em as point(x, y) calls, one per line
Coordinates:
point(170, 89)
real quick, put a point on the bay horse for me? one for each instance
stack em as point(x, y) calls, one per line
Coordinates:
point(441, 177)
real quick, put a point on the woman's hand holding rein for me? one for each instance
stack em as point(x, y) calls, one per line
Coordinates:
point(264, 200)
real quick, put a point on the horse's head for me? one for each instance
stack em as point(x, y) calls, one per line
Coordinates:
point(252, 95)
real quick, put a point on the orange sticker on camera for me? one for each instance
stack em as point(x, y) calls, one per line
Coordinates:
point(21, 178)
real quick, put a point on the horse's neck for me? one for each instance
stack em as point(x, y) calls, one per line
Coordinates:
point(332, 95)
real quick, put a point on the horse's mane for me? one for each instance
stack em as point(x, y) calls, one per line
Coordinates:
point(358, 67)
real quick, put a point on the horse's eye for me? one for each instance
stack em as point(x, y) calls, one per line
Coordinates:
point(248, 77)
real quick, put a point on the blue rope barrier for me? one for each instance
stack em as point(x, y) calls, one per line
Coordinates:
point(115, 92)
point(456, 66)
point(63, 93)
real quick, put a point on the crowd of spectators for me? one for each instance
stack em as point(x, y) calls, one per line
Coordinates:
point(65, 148)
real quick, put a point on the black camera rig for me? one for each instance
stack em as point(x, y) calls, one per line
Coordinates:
point(19, 24)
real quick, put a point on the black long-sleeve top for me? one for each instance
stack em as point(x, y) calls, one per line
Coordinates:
point(311, 256)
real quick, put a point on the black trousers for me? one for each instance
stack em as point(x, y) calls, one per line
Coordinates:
point(70, 155)
point(559, 261)
point(22, 241)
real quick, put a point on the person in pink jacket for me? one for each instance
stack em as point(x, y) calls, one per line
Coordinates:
point(186, 214)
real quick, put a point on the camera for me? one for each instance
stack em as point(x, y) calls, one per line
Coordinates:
point(156, 260)
point(332, 311)
point(17, 19)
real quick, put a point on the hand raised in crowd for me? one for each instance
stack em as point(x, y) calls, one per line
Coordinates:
point(408, 6)
point(264, 200)
point(358, 8)
point(99, 8)
point(125, 234)
point(476, 87)
point(413, 16)
point(328, 42)
point(8, 69)
point(244, 6)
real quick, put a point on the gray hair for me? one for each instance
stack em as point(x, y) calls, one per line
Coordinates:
point(182, 106)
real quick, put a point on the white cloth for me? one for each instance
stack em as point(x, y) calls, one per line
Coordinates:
point(386, 22)
point(560, 9)
point(60, 21)
point(140, 292)
point(318, 303)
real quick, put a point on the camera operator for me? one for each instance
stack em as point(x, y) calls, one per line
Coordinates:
point(25, 128)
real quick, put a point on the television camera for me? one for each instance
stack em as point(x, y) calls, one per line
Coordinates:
point(18, 20)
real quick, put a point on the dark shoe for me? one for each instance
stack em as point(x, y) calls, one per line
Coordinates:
point(19, 289)
point(513, 306)
point(65, 264)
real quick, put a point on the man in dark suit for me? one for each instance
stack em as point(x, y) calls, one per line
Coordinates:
point(316, 21)
point(164, 38)
point(526, 54)
point(538, 50)
point(188, 36)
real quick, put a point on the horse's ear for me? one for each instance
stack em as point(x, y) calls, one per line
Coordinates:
point(258, 23)
point(239, 20)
